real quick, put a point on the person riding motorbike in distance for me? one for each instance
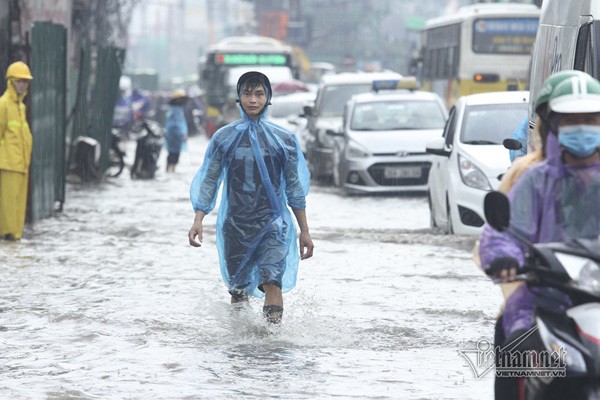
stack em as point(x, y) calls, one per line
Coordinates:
point(131, 106)
point(553, 201)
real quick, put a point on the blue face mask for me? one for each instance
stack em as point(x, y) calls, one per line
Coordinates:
point(580, 140)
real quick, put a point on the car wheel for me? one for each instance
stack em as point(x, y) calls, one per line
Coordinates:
point(432, 223)
point(449, 228)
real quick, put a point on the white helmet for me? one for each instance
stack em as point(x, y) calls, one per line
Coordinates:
point(125, 83)
point(578, 94)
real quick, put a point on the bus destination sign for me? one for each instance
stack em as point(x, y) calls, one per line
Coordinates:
point(250, 59)
point(504, 35)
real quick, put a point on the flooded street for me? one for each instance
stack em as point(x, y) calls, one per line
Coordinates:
point(108, 300)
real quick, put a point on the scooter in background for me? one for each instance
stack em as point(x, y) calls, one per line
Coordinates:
point(149, 140)
point(116, 154)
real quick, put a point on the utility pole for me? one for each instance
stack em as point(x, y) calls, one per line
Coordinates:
point(210, 16)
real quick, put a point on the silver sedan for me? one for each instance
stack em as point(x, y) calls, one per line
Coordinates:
point(381, 147)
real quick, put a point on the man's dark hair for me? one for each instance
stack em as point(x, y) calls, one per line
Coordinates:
point(251, 80)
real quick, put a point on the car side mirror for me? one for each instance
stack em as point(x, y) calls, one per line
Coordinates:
point(437, 147)
point(496, 208)
point(332, 132)
point(308, 111)
point(512, 144)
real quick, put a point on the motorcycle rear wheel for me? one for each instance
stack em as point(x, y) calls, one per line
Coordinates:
point(117, 163)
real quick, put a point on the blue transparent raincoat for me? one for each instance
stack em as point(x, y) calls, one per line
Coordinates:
point(176, 129)
point(263, 171)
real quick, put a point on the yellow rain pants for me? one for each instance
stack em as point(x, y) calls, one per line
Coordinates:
point(13, 203)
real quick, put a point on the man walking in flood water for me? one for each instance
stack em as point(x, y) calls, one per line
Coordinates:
point(264, 171)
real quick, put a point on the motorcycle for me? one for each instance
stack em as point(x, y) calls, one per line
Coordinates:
point(83, 159)
point(116, 153)
point(149, 140)
point(570, 337)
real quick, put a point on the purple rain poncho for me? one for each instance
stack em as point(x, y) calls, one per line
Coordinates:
point(263, 170)
point(551, 202)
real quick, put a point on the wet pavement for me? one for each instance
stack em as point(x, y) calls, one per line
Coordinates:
point(107, 300)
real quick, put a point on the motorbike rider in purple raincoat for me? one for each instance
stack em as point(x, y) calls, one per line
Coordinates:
point(263, 172)
point(555, 200)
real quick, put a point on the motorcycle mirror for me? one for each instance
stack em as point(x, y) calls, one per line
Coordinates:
point(512, 144)
point(497, 210)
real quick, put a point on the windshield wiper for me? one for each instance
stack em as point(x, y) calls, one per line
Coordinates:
point(480, 142)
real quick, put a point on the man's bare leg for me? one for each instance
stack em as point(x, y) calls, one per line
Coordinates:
point(273, 308)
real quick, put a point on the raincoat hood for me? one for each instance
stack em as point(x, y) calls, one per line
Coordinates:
point(15, 136)
point(257, 77)
point(12, 92)
point(555, 167)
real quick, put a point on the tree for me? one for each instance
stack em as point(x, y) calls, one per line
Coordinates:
point(103, 22)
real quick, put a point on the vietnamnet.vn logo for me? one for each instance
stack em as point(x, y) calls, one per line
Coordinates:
point(512, 363)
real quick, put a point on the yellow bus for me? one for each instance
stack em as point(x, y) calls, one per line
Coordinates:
point(480, 48)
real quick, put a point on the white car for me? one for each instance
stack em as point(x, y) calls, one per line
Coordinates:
point(470, 158)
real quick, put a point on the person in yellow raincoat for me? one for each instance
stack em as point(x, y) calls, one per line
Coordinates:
point(15, 152)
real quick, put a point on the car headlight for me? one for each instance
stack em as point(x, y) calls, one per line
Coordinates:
point(559, 348)
point(325, 139)
point(585, 273)
point(355, 150)
point(471, 175)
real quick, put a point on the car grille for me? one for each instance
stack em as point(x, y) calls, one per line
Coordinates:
point(377, 173)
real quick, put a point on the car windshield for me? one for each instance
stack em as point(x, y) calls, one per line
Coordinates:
point(397, 115)
point(491, 123)
point(334, 98)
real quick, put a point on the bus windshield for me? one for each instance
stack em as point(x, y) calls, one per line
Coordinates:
point(504, 35)
point(275, 74)
point(228, 59)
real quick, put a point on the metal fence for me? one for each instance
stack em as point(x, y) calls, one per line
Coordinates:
point(98, 85)
point(47, 105)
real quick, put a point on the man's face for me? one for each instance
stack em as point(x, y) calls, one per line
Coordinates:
point(20, 85)
point(579, 119)
point(253, 100)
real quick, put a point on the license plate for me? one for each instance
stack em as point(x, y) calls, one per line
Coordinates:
point(401, 172)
